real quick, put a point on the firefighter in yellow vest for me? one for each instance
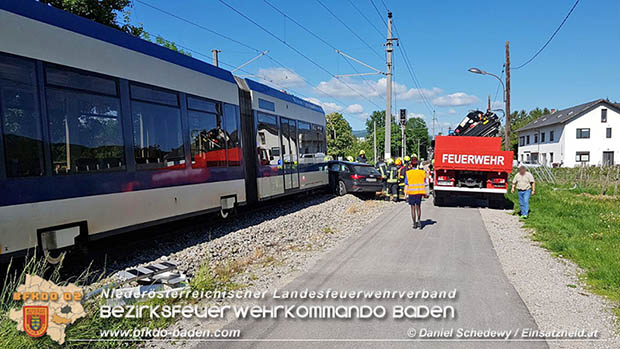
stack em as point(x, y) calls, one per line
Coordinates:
point(415, 182)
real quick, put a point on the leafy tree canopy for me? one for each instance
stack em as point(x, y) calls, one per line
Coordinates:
point(416, 132)
point(339, 135)
point(113, 13)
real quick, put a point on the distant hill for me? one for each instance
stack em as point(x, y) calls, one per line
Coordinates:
point(359, 133)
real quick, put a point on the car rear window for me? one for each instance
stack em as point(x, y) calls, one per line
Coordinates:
point(365, 170)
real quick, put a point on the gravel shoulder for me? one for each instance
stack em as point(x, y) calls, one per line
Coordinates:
point(549, 286)
point(275, 251)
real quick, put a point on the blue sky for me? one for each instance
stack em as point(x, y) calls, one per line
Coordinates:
point(442, 39)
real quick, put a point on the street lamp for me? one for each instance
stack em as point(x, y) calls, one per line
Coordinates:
point(507, 128)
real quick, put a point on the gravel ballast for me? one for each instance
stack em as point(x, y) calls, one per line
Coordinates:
point(549, 286)
point(272, 252)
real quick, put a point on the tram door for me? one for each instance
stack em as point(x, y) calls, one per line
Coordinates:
point(288, 136)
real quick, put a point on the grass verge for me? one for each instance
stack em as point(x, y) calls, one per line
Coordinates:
point(584, 228)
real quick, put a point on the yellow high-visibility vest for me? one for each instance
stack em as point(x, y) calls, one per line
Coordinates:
point(415, 182)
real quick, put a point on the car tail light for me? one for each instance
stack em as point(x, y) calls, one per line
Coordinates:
point(356, 176)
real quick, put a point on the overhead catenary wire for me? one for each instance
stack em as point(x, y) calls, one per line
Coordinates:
point(239, 43)
point(198, 25)
point(372, 49)
point(366, 18)
point(378, 13)
point(295, 50)
point(316, 36)
point(428, 104)
point(550, 38)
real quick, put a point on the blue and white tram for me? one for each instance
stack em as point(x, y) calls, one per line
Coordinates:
point(102, 133)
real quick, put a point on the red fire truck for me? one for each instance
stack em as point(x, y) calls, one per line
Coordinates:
point(471, 166)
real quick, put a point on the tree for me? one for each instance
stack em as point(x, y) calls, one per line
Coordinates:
point(107, 12)
point(519, 119)
point(416, 137)
point(416, 133)
point(340, 137)
point(104, 12)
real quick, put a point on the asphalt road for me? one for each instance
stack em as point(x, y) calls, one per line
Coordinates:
point(453, 251)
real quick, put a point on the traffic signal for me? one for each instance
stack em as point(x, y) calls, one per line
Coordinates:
point(403, 117)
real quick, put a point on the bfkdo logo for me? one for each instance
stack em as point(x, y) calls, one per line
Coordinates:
point(36, 319)
point(47, 308)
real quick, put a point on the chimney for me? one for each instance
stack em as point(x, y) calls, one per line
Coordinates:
point(552, 111)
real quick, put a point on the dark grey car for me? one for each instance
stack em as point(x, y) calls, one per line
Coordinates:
point(353, 177)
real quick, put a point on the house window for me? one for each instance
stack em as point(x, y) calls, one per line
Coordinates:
point(551, 134)
point(608, 132)
point(535, 138)
point(542, 137)
point(527, 139)
point(583, 133)
point(551, 157)
point(603, 115)
point(582, 156)
point(522, 141)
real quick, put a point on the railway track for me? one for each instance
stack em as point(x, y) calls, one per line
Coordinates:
point(119, 252)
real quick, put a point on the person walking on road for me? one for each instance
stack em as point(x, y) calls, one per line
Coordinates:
point(526, 185)
point(415, 183)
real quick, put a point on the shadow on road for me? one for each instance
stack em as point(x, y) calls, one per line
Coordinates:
point(427, 222)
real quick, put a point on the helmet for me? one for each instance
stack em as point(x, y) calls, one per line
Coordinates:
point(413, 156)
point(407, 158)
point(350, 158)
point(389, 161)
point(362, 152)
point(398, 162)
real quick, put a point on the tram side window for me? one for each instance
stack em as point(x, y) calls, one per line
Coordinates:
point(231, 125)
point(20, 120)
point(207, 136)
point(157, 134)
point(320, 136)
point(306, 145)
point(85, 128)
point(268, 141)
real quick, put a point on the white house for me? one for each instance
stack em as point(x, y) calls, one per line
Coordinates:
point(585, 134)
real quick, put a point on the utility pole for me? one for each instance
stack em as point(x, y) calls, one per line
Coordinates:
point(374, 140)
point(433, 135)
point(388, 97)
point(402, 139)
point(215, 60)
point(507, 140)
point(489, 104)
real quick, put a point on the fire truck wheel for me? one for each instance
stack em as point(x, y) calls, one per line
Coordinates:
point(437, 199)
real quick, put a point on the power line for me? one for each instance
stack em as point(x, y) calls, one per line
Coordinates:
point(238, 42)
point(384, 5)
point(428, 104)
point(550, 38)
point(366, 18)
point(315, 35)
point(295, 49)
point(198, 25)
point(378, 13)
point(349, 28)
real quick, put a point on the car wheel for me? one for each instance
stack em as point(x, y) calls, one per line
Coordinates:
point(342, 189)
